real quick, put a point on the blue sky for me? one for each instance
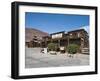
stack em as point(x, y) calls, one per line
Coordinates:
point(51, 23)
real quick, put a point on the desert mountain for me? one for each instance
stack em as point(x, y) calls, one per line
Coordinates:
point(30, 33)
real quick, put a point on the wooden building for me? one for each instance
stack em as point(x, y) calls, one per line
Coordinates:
point(35, 42)
point(63, 39)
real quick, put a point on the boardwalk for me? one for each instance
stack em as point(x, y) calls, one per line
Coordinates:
point(35, 59)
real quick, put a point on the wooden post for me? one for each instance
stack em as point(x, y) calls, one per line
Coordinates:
point(68, 40)
point(59, 42)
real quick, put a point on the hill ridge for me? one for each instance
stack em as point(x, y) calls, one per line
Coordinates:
point(31, 32)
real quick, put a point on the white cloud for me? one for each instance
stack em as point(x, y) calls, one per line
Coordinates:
point(86, 28)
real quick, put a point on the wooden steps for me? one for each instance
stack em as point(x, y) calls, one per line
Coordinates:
point(85, 50)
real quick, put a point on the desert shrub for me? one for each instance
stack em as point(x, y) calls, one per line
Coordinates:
point(72, 48)
point(52, 47)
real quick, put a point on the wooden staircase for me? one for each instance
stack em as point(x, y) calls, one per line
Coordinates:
point(85, 50)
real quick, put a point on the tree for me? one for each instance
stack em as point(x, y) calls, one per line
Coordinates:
point(72, 48)
point(52, 46)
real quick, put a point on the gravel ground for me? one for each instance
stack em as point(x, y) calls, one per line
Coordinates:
point(35, 59)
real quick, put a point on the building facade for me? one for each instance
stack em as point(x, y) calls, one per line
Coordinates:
point(63, 39)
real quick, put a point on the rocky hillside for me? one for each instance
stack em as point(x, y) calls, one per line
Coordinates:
point(30, 33)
